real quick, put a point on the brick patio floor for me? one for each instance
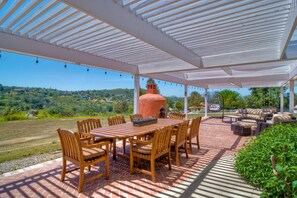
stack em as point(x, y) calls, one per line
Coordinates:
point(43, 180)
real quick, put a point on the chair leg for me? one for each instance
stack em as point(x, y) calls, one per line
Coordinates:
point(176, 156)
point(186, 149)
point(131, 161)
point(63, 170)
point(198, 145)
point(190, 145)
point(89, 168)
point(169, 160)
point(81, 178)
point(124, 146)
point(153, 170)
point(107, 166)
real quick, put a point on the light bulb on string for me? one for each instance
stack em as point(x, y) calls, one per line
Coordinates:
point(0, 54)
point(120, 75)
point(37, 61)
point(105, 72)
point(88, 69)
point(65, 66)
point(132, 76)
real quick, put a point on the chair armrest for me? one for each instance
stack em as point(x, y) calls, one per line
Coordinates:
point(85, 138)
point(96, 145)
point(140, 141)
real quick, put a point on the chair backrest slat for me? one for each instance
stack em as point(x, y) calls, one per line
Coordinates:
point(85, 126)
point(181, 136)
point(178, 116)
point(70, 144)
point(194, 130)
point(136, 117)
point(162, 139)
point(115, 120)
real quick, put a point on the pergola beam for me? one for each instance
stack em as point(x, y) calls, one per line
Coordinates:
point(115, 15)
point(34, 48)
point(289, 30)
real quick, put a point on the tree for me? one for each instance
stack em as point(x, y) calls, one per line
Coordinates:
point(178, 106)
point(121, 107)
point(195, 99)
point(231, 99)
point(264, 97)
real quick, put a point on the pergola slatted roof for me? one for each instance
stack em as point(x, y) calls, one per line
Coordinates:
point(210, 44)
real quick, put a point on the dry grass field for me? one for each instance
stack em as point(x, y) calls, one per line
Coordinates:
point(24, 138)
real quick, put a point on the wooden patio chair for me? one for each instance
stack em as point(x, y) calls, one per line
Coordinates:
point(178, 116)
point(150, 150)
point(136, 117)
point(82, 155)
point(85, 126)
point(180, 139)
point(115, 120)
point(193, 132)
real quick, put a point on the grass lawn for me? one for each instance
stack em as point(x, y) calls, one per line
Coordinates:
point(24, 138)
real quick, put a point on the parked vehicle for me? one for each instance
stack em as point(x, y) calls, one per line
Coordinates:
point(215, 107)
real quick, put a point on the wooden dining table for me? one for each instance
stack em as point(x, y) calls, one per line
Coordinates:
point(127, 130)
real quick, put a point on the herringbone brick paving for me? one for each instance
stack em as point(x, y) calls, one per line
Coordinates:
point(216, 140)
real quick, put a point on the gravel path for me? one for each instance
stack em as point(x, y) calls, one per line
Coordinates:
point(28, 161)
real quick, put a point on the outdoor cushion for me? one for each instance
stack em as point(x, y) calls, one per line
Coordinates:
point(91, 153)
point(246, 124)
point(143, 149)
point(277, 118)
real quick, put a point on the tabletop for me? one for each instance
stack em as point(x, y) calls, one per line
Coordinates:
point(128, 130)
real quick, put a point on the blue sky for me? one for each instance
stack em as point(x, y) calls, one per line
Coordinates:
point(22, 70)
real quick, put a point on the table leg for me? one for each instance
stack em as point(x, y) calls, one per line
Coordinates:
point(114, 149)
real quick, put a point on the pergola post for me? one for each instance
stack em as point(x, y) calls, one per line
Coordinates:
point(136, 93)
point(291, 107)
point(206, 103)
point(282, 99)
point(186, 101)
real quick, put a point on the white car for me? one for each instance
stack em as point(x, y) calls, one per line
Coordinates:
point(214, 107)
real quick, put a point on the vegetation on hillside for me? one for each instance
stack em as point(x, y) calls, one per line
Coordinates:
point(17, 103)
point(253, 161)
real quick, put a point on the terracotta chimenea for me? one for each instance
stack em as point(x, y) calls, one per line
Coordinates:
point(151, 102)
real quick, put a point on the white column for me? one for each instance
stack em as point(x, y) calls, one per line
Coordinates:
point(205, 102)
point(186, 101)
point(136, 93)
point(282, 99)
point(291, 96)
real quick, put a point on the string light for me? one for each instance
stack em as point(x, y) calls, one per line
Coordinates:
point(142, 78)
point(0, 54)
point(36, 60)
point(132, 76)
point(105, 72)
point(88, 69)
point(120, 75)
point(65, 66)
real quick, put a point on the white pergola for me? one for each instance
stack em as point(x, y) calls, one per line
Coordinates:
point(207, 44)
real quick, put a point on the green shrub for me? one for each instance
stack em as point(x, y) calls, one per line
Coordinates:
point(15, 116)
point(253, 161)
